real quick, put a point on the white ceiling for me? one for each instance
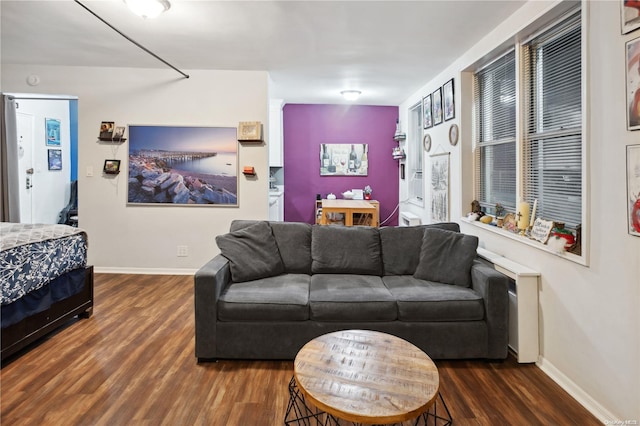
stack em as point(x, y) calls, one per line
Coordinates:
point(312, 49)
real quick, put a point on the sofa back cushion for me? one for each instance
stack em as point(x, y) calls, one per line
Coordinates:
point(401, 246)
point(293, 240)
point(446, 257)
point(252, 252)
point(345, 250)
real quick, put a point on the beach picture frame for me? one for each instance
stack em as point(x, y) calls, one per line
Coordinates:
point(182, 166)
point(52, 127)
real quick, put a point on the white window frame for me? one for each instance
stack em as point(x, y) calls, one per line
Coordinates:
point(415, 160)
point(520, 129)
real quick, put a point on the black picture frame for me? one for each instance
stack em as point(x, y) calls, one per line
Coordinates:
point(427, 117)
point(111, 167)
point(54, 157)
point(448, 100)
point(436, 106)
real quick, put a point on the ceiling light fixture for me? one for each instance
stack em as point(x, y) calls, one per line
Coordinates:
point(350, 95)
point(148, 8)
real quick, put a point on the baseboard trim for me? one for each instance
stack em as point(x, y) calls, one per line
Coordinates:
point(143, 271)
point(593, 406)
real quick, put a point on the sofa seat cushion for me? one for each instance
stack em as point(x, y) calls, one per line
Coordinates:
point(345, 250)
point(346, 297)
point(420, 300)
point(281, 298)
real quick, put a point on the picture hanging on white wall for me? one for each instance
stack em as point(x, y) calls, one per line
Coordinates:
point(633, 84)
point(54, 159)
point(630, 11)
point(440, 187)
point(633, 189)
point(185, 166)
point(53, 131)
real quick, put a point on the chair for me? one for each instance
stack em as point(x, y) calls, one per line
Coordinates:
point(69, 215)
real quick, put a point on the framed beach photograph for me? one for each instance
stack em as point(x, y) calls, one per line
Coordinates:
point(629, 15)
point(448, 100)
point(111, 167)
point(183, 166)
point(52, 126)
point(633, 189)
point(426, 111)
point(633, 83)
point(440, 187)
point(54, 157)
point(437, 106)
point(337, 159)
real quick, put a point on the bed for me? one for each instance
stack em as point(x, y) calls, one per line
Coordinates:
point(45, 281)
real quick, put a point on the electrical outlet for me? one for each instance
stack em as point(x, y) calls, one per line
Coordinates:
point(183, 251)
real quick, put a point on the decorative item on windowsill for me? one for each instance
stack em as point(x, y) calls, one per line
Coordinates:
point(523, 217)
point(367, 192)
point(561, 239)
point(499, 215)
point(476, 211)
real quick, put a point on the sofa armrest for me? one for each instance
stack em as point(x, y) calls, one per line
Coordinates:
point(493, 286)
point(209, 282)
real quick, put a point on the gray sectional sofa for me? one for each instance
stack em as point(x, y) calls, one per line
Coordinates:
point(277, 285)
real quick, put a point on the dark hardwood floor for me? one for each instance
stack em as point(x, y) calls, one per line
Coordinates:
point(132, 363)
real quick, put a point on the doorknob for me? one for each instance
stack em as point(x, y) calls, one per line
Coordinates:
point(30, 171)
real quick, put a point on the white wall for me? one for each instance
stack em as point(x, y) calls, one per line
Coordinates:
point(589, 315)
point(50, 188)
point(145, 238)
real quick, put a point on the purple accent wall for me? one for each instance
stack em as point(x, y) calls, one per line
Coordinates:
point(308, 126)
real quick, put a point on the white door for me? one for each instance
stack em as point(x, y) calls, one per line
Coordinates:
point(25, 124)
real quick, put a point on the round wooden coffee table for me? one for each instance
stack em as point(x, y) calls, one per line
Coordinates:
point(362, 377)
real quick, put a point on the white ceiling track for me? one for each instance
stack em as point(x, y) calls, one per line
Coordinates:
point(132, 40)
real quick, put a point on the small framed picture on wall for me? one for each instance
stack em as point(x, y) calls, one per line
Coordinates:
point(449, 104)
point(437, 106)
point(630, 15)
point(633, 84)
point(55, 159)
point(427, 121)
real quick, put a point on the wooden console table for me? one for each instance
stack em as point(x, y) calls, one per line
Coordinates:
point(356, 212)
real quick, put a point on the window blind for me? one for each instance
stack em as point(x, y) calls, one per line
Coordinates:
point(552, 146)
point(495, 108)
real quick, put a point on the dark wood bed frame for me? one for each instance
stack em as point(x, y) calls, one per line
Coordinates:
point(19, 335)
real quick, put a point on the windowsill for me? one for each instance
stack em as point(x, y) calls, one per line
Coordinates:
point(527, 241)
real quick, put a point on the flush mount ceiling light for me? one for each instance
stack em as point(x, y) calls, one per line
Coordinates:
point(148, 8)
point(350, 95)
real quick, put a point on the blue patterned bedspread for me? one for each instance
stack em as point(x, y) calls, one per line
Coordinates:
point(31, 255)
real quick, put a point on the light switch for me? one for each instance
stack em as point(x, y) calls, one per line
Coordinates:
point(89, 171)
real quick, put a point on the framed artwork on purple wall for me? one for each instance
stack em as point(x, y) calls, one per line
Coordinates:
point(344, 159)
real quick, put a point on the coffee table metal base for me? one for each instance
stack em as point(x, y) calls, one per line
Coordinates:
point(300, 413)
